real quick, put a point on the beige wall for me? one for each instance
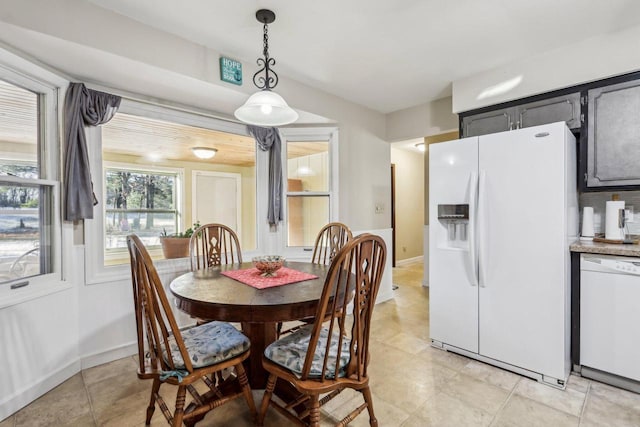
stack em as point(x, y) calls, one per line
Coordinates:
point(431, 118)
point(587, 60)
point(409, 199)
point(248, 236)
point(432, 140)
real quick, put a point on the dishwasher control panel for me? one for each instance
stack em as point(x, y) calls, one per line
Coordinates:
point(611, 264)
point(623, 266)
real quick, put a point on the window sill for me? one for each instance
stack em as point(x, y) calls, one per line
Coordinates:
point(10, 297)
point(117, 273)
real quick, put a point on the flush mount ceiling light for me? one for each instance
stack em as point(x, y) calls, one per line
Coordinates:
point(420, 146)
point(204, 152)
point(266, 108)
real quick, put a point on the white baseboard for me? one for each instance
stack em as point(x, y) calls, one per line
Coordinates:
point(110, 355)
point(406, 261)
point(384, 296)
point(28, 394)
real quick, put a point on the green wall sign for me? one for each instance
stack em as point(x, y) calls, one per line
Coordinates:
point(230, 71)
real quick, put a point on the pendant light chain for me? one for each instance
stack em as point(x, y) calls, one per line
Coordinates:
point(265, 37)
point(270, 78)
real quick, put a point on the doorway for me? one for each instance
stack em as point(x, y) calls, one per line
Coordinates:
point(216, 198)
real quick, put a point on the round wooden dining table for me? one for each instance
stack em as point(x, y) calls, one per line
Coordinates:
point(208, 294)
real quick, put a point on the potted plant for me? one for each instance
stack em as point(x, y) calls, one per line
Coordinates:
point(176, 245)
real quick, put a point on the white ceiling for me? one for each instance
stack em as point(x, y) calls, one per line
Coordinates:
point(385, 55)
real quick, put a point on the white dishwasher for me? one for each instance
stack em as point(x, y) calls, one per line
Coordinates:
point(610, 319)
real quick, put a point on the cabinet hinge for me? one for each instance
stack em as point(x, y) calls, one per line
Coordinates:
point(585, 177)
point(583, 100)
point(581, 117)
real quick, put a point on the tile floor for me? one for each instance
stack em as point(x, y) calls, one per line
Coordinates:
point(413, 385)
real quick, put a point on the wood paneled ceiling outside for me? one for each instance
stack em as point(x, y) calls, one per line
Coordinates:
point(144, 137)
point(126, 134)
point(160, 140)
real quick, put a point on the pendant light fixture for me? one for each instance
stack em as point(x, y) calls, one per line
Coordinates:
point(204, 152)
point(266, 108)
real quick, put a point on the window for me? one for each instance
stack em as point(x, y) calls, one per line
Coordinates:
point(309, 202)
point(28, 195)
point(144, 202)
point(151, 182)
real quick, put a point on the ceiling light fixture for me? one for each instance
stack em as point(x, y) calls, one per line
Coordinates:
point(266, 108)
point(204, 152)
point(420, 146)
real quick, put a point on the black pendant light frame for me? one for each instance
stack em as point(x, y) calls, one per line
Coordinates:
point(270, 78)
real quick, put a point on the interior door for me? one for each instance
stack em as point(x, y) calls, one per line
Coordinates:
point(453, 291)
point(216, 198)
point(522, 247)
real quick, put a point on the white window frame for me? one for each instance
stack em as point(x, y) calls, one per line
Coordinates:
point(329, 134)
point(95, 270)
point(25, 74)
point(179, 202)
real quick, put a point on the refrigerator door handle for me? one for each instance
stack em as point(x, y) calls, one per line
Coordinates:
point(482, 229)
point(473, 209)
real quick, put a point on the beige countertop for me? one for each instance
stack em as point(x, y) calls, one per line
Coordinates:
point(586, 246)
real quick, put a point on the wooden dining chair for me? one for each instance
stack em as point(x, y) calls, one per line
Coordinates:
point(167, 354)
point(212, 245)
point(330, 239)
point(329, 358)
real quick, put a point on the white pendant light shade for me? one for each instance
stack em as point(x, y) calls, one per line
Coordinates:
point(266, 108)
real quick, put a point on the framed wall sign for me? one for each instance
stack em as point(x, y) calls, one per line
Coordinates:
point(230, 71)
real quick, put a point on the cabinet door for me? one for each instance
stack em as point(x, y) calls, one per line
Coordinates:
point(613, 156)
point(559, 109)
point(486, 123)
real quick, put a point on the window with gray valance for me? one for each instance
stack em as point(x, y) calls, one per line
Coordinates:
point(268, 139)
point(83, 107)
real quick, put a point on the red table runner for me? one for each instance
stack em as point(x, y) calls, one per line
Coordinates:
point(284, 276)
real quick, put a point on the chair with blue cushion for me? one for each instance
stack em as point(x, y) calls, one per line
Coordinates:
point(332, 354)
point(181, 357)
point(330, 239)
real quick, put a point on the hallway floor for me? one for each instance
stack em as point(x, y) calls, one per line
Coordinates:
point(413, 385)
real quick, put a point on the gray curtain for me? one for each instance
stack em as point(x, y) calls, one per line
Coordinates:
point(268, 139)
point(82, 107)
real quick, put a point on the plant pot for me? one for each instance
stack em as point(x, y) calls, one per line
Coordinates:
point(175, 247)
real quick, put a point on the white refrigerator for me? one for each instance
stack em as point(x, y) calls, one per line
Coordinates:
point(503, 209)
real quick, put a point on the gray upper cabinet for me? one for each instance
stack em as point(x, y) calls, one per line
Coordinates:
point(561, 108)
point(613, 157)
point(485, 123)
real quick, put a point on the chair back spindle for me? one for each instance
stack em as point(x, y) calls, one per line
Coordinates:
point(331, 238)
